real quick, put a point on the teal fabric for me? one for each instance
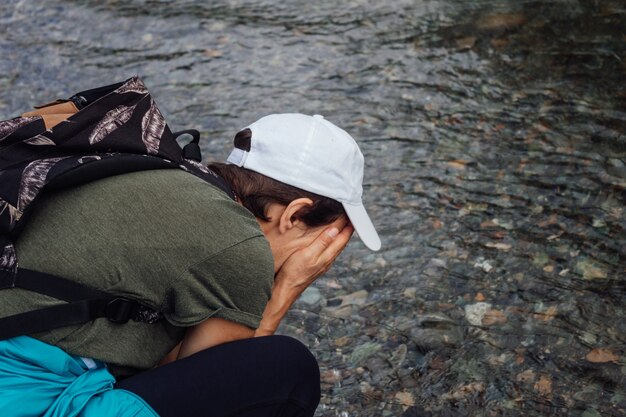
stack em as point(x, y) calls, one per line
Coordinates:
point(37, 379)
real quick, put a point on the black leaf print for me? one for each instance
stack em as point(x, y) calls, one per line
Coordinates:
point(89, 158)
point(39, 140)
point(111, 121)
point(199, 167)
point(33, 180)
point(134, 85)
point(14, 213)
point(8, 261)
point(9, 126)
point(152, 126)
point(147, 315)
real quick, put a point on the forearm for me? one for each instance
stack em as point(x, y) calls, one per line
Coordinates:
point(283, 297)
point(172, 356)
point(212, 332)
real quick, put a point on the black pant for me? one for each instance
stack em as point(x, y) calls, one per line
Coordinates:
point(263, 376)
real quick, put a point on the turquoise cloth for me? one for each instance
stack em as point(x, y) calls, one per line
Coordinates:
point(37, 379)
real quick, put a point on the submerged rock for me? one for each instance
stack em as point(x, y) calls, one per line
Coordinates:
point(311, 296)
point(362, 352)
point(500, 21)
point(474, 313)
point(434, 331)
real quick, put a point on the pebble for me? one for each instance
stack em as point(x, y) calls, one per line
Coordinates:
point(602, 355)
point(500, 21)
point(343, 306)
point(500, 246)
point(410, 292)
point(311, 296)
point(590, 269)
point(330, 376)
point(342, 341)
point(366, 388)
point(405, 398)
point(362, 352)
point(357, 298)
point(547, 314)
point(493, 317)
point(526, 376)
point(499, 360)
point(465, 43)
point(544, 385)
point(591, 412)
point(588, 393)
point(398, 356)
point(474, 313)
point(437, 263)
point(484, 264)
point(464, 391)
point(434, 331)
point(378, 367)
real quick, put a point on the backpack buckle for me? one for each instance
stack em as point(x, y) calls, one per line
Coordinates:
point(192, 149)
point(120, 310)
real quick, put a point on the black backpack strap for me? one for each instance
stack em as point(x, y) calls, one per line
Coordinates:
point(51, 285)
point(77, 312)
point(107, 167)
point(84, 304)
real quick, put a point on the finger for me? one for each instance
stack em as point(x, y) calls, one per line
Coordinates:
point(338, 244)
point(342, 239)
point(321, 243)
point(340, 223)
point(324, 240)
point(330, 242)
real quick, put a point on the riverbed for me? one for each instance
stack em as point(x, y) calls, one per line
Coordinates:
point(494, 138)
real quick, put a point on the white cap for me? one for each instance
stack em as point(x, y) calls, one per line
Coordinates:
point(311, 153)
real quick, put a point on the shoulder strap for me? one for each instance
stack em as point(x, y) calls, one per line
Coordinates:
point(83, 305)
point(107, 167)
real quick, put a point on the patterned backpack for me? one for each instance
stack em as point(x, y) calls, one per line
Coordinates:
point(95, 134)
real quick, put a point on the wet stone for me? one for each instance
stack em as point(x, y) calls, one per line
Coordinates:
point(311, 296)
point(493, 317)
point(434, 331)
point(591, 412)
point(379, 369)
point(362, 352)
point(474, 313)
point(588, 393)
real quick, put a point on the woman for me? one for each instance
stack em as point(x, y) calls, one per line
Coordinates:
point(220, 272)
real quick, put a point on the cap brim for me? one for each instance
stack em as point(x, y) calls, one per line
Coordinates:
point(363, 225)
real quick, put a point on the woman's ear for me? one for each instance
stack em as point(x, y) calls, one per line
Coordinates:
point(288, 219)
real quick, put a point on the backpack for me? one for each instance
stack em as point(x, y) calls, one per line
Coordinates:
point(94, 134)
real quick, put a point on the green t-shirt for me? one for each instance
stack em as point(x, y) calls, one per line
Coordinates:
point(163, 237)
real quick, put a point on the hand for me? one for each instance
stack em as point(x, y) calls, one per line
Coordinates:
point(301, 269)
point(304, 266)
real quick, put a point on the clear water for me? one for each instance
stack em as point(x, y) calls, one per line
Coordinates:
point(494, 135)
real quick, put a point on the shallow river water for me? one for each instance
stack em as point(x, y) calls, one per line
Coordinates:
point(494, 136)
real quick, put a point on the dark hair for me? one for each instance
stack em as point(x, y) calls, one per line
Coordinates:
point(257, 191)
